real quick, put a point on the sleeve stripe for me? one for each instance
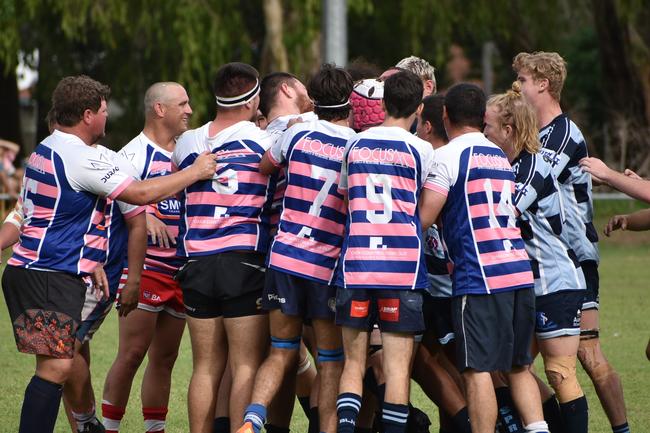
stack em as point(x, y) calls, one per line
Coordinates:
point(121, 187)
point(436, 188)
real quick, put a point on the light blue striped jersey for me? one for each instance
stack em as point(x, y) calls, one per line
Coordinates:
point(537, 198)
point(563, 145)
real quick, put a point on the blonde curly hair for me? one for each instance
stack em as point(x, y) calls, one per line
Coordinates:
point(512, 109)
point(543, 65)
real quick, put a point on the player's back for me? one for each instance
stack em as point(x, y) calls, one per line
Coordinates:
point(231, 211)
point(553, 261)
point(310, 234)
point(384, 171)
point(478, 217)
point(563, 146)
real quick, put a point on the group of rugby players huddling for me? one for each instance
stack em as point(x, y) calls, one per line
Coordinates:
point(445, 239)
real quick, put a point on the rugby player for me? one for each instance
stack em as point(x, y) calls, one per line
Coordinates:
point(542, 76)
point(491, 277)
point(225, 233)
point(381, 271)
point(306, 248)
point(156, 326)
point(62, 238)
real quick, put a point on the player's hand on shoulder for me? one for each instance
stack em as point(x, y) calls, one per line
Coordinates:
point(159, 232)
point(597, 168)
point(295, 121)
point(617, 222)
point(205, 165)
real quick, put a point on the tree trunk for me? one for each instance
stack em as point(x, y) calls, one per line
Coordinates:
point(274, 57)
point(624, 95)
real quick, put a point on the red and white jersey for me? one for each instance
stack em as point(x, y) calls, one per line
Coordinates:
point(232, 210)
point(150, 161)
point(64, 199)
point(384, 172)
point(310, 234)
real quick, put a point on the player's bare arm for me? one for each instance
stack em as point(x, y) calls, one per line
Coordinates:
point(156, 189)
point(137, 247)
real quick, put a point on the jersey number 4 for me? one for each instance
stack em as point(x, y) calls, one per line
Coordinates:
point(504, 208)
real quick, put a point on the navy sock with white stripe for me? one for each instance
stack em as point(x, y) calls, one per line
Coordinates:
point(347, 409)
point(394, 417)
point(256, 414)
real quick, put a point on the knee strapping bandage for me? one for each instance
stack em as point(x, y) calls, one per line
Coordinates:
point(334, 355)
point(286, 343)
point(304, 365)
point(561, 374)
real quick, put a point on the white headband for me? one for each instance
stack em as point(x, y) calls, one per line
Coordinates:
point(236, 101)
point(333, 106)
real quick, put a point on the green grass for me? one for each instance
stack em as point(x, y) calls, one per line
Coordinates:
point(625, 299)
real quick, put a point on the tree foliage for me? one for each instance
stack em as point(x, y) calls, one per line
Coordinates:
point(131, 44)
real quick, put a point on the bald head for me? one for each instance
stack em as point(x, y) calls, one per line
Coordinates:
point(160, 93)
point(167, 104)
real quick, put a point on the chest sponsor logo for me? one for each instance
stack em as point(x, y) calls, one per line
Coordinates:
point(169, 206)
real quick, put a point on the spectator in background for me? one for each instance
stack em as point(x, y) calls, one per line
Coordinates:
point(8, 152)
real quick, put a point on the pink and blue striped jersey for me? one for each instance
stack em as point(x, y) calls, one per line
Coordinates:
point(310, 234)
point(478, 219)
point(276, 128)
point(150, 161)
point(231, 211)
point(384, 171)
point(64, 201)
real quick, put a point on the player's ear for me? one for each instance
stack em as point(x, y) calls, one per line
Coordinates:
point(287, 89)
point(542, 84)
point(428, 127)
point(159, 109)
point(88, 116)
point(419, 109)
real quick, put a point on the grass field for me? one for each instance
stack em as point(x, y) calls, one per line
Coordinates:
point(625, 301)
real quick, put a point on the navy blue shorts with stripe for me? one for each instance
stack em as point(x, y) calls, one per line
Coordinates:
point(559, 314)
point(393, 310)
point(298, 296)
